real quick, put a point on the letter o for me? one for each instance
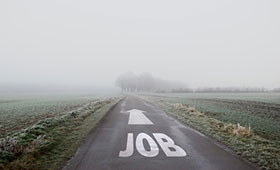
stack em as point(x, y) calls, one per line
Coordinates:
point(154, 151)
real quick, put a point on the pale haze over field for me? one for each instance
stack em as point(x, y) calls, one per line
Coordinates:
point(85, 42)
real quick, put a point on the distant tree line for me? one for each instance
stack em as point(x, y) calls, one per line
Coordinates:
point(230, 90)
point(145, 82)
point(219, 90)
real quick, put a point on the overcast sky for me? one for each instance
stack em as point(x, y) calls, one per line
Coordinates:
point(88, 42)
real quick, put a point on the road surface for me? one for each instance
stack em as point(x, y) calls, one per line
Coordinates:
point(136, 135)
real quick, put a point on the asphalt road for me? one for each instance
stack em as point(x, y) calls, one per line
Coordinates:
point(150, 140)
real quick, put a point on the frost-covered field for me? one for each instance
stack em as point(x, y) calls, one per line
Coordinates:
point(45, 131)
point(261, 97)
point(17, 112)
point(259, 112)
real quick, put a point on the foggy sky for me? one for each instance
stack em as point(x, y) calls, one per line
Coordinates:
point(86, 42)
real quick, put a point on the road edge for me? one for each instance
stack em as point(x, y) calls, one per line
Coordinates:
point(81, 151)
point(211, 139)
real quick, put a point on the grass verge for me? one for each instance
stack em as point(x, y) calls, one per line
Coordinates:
point(255, 148)
point(49, 143)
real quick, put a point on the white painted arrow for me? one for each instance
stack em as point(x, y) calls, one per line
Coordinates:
point(136, 117)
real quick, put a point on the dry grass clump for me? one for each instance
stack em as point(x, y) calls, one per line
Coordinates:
point(23, 148)
point(234, 129)
point(179, 105)
point(194, 112)
point(27, 140)
point(9, 149)
point(38, 143)
point(258, 149)
point(192, 109)
point(188, 109)
point(242, 131)
point(10, 144)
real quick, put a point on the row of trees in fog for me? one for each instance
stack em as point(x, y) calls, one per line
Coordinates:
point(145, 82)
point(219, 90)
point(231, 89)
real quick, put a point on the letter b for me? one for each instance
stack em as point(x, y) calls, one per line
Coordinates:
point(167, 144)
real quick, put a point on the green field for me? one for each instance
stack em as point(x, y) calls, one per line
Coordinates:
point(43, 132)
point(20, 112)
point(260, 97)
point(218, 111)
point(259, 110)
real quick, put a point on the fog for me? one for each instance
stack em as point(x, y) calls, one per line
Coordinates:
point(90, 43)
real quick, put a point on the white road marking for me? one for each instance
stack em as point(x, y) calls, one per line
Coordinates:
point(140, 145)
point(136, 117)
point(129, 147)
point(167, 144)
